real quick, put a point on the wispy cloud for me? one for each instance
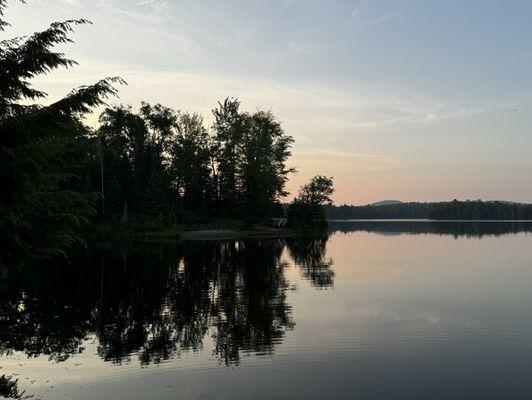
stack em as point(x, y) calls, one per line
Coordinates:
point(356, 161)
point(298, 48)
point(312, 110)
point(155, 11)
point(365, 15)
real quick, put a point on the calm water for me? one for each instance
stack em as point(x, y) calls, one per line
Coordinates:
point(375, 310)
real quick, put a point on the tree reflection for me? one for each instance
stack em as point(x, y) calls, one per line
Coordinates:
point(250, 312)
point(454, 228)
point(40, 312)
point(157, 302)
point(309, 254)
point(9, 388)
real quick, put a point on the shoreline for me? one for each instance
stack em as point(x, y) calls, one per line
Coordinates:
point(228, 234)
point(426, 220)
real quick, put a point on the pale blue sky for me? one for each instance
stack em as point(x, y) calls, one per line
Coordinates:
point(411, 100)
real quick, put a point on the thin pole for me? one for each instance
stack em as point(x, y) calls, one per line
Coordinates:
point(101, 176)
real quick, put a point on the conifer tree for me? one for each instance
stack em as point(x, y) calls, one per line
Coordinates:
point(42, 148)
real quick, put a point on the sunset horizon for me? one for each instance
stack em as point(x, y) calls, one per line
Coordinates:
point(389, 98)
point(265, 199)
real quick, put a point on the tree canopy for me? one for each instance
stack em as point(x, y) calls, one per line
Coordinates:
point(307, 211)
point(317, 191)
point(154, 165)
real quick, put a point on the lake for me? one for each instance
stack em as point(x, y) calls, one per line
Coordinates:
point(372, 310)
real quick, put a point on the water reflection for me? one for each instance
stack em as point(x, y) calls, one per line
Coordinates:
point(9, 388)
point(454, 228)
point(308, 254)
point(413, 315)
point(156, 302)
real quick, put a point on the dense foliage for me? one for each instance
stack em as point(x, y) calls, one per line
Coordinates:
point(163, 164)
point(307, 210)
point(156, 166)
point(44, 151)
point(453, 210)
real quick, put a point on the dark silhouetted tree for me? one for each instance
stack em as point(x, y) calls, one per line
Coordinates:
point(190, 159)
point(307, 209)
point(229, 126)
point(265, 149)
point(43, 149)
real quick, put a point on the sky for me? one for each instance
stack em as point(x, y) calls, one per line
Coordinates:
point(410, 100)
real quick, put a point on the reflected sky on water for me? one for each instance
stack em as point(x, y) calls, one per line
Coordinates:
point(370, 311)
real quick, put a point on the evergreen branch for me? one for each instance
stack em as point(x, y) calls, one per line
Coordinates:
point(84, 98)
point(24, 58)
point(3, 4)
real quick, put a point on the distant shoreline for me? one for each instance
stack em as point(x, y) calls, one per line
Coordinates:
point(278, 233)
point(455, 210)
point(427, 220)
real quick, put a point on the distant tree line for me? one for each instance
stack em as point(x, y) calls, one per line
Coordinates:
point(496, 210)
point(453, 210)
point(388, 211)
point(154, 165)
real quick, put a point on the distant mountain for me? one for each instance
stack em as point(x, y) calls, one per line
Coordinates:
point(385, 203)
